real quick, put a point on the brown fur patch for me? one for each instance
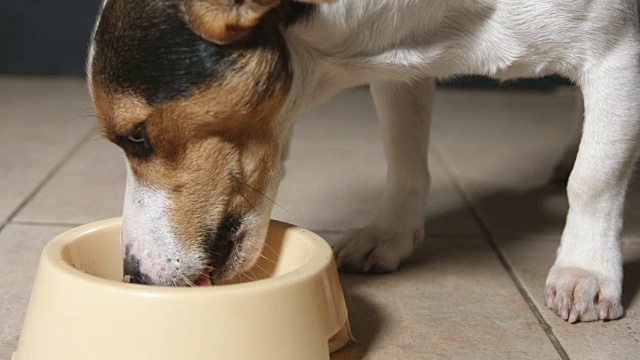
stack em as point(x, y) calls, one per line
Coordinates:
point(230, 147)
point(225, 21)
point(118, 114)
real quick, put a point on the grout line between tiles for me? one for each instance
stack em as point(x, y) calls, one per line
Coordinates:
point(50, 174)
point(502, 258)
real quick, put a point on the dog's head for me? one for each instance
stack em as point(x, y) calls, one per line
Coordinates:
point(192, 90)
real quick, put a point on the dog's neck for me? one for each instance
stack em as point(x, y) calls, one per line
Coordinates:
point(316, 66)
point(328, 55)
point(350, 43)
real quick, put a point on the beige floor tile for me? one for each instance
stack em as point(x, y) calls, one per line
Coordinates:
point(336, 173)
point(443, 305)
point(41, 121)
point(20, 248)
point(531, 258)
point(503, 147)
point(336, 195)
point(89, 187)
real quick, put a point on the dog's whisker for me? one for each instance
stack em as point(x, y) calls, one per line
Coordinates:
point(255, 278)
point(214, 252)
point(261, 268)
point(266, 258)
point(83, 114)
point(253, 207)
point(256, 190)
point(242, 195)
point(189, 282)
point(271, 248)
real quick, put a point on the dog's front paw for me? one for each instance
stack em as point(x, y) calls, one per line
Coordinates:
point(377, 250)
point(580, 295)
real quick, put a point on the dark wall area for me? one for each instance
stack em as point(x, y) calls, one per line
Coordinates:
point(481, 82)
point(50, 37)
point(45, 37)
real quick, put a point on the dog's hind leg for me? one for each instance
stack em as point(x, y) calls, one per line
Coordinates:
point(585, 283)
point(404, 111)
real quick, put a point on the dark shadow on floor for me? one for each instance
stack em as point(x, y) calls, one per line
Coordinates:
point(366, 320)
point(631, 283)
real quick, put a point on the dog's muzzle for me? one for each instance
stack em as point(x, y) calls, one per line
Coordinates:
point(219, 244)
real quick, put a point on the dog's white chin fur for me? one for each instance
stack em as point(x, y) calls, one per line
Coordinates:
point(146, 231)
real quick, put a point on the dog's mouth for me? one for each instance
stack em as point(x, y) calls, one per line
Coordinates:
point(205, 278)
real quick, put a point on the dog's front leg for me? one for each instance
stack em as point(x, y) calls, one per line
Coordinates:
point(563, 168)
point(585, 283)
point(404, 111)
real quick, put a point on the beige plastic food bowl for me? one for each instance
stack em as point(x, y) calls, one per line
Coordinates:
point(80, 309)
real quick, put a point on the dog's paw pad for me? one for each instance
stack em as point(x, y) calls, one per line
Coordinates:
point(579, 295)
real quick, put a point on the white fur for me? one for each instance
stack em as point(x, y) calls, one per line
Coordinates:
point(398, 45)
point(89, 65)
point(147, 231)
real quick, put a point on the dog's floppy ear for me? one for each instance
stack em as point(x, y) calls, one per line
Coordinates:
point(228, 21)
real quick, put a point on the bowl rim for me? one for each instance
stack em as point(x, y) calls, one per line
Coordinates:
point(52, 254)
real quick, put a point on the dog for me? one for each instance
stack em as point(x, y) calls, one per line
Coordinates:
point(202, 95)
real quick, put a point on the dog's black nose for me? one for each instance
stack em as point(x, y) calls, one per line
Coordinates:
point(220, 242)
point(132, 269)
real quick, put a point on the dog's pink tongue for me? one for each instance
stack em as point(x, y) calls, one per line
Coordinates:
point(203, 280)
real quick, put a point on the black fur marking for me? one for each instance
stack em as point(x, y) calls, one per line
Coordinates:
point(138, 149)
point(299, 12)
point(220, 242)
point(144, 47)
point(132, 269)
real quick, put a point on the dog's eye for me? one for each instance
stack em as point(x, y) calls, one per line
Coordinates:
point(136, 142)
point(136, 136)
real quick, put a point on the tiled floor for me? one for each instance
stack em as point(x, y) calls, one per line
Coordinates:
point(472, 292)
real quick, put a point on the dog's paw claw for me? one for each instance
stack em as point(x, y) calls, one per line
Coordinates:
point(604, 310)
point(549, 296)
point(574, 315)
point(578, 295)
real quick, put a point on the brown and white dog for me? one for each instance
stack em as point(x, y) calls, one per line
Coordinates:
point(202, 95)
